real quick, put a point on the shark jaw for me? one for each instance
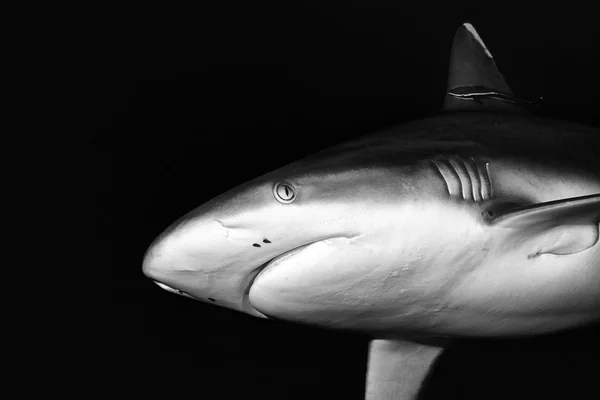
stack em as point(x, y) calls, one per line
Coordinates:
point(266, 268)
point(178, 282)
point(269, 265)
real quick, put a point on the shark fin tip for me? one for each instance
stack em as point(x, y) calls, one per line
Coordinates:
point(473, 33)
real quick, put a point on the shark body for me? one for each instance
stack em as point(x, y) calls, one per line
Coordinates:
point(481, 221)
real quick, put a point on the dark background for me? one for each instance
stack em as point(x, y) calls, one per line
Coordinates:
point(119, 120)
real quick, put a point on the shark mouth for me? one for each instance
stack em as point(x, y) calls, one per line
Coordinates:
point(271, 264)
point(246, 304)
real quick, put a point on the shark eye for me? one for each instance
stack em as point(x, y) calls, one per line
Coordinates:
point(284, 192)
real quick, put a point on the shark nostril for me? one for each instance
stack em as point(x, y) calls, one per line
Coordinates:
point(266, 241)
point(256, 245)
point(211, 299)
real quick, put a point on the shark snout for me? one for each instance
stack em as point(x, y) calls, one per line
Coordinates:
point(200, 260)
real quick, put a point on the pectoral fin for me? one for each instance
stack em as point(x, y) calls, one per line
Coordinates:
point(397, 368)
point(559, 227)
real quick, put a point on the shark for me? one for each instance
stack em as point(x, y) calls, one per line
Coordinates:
point(480, 221)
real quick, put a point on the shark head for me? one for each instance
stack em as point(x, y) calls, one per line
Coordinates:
point(457, 224)
point(313, 229)
point(216, 252)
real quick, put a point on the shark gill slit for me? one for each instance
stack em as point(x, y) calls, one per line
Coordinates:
point(468, 179)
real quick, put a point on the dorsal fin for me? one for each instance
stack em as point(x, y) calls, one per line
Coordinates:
point(474, 81)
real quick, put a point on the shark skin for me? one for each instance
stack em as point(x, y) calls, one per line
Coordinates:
point(481, 221)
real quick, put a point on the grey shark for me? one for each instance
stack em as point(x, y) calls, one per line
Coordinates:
point(481, 221)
